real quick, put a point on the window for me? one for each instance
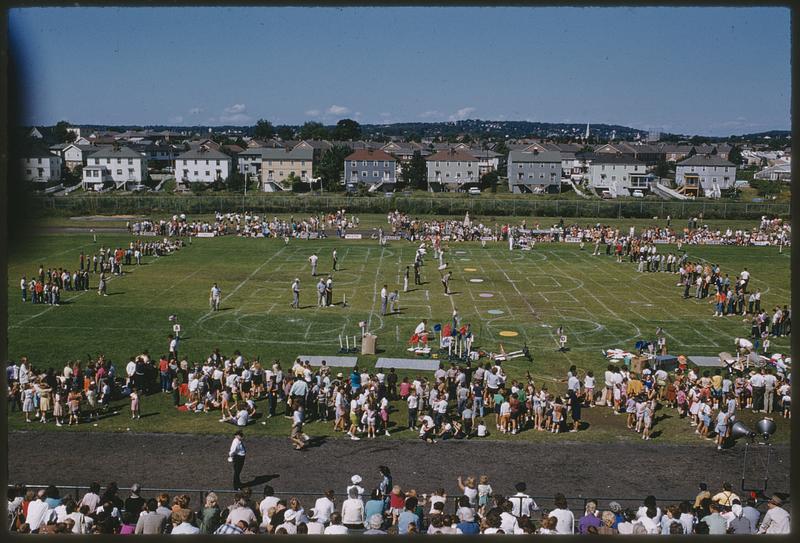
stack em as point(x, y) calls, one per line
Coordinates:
point(374, 162)
point(385, 163)
point(304, 173)
point(613, 177)
point(354, 163)
point(375, 174)
point(603, 167)
point(302, 162)
point(363, 174)
point(119, 161)
point(208, 173)
point(130, 161)
point(269, 162)
point(437, 163)
point(541, 176)
point(195, 173)
point(219, 173)
point(217, 162)
point(28, 172)
point(363, 162)
point(552, 166)
point(458, 174)
point(119, 171)
point(130, 172)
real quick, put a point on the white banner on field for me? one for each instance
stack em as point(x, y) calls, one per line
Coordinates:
point(206, 234)
point(661, 241)
point(712, 242)
point(572, 239)
point(761, 243)
point(150, 233)
point(352, 236)
point(392, 238)
point(487, 238)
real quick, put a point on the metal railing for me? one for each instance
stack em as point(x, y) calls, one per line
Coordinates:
point(261, 202)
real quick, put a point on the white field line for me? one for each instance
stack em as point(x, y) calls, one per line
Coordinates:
point(240, 285)
point(308, 329)
point(514, 284)
point(160, 294)
point(375, 286)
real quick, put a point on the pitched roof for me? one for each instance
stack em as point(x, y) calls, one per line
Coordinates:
point(705, 160)
point(110, 152)
point(452, 155)
point(203, 153)
point(529, 156)
point(38, 150)
point(323, 145)
point(609, 158)
point(233, 148)
point(369, 154)
point(272, 153)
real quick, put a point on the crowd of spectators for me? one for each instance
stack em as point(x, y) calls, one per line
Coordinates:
point(388, 508)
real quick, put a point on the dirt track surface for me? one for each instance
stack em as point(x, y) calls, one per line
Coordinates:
point(199, 462)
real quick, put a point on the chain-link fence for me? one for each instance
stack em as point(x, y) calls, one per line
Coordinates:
point(268, 203)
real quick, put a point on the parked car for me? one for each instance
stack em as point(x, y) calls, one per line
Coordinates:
point(474, 190)
point(637, 194)
point(606, 194)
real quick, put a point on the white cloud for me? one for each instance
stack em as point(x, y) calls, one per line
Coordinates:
point(313, 113)
point(429, 114)
point(461, 114)
point(235, 118)
point(338, 110)
point(235, 108)
point(195, 111)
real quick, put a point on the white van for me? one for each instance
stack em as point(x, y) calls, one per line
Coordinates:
point(637, 194)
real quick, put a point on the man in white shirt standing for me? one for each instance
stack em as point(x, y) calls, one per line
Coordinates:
point(296, 293)
point(236, 456)
point(215, 297)
point(324, 506)
point(313, 260)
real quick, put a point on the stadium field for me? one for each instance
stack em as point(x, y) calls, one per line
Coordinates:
point(601, 304)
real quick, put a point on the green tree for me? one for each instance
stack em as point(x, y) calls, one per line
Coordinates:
point(73, 177)
point(313, 130)
point(297, 184)
point(149, 182)
point(62, 134)
point(765, 187)
point(415, 173)
point(198, 187)
point(502, 149)
point(235, 181)
point(331, 166)
point(285, 132)
point(662, 168)
point(489, 181)
point(263, 130)
point(347, 129)
point(735, 155)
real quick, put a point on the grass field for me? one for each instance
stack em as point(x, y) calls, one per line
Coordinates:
point(600, 303)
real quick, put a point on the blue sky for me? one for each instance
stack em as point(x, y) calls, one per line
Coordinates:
point(713, 71)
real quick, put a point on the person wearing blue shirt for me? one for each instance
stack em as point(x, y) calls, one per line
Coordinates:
point(408, 516)
point(355, 379)
point(374, 505)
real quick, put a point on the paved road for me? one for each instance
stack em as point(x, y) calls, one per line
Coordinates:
point(620, 470)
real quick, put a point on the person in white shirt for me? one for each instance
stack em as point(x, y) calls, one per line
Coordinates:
point(352, 511)
point(236, 454)
point(355, 481)
point(336, 527)
point(776, 520)
point(92, 498)
point(39, 513)
point(323, 507)
point(522, 504)
point(565, 520)
point(269, 501)
point(239, 511)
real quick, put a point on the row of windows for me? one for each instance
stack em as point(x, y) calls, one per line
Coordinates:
point(198, 162)
point(448, 163)
point(457, 175)
point(552, 166)
point(374, 174)
point(108, 161)
point(282, 173)
point(354, 163)
point(288, 162)
point(207, 173)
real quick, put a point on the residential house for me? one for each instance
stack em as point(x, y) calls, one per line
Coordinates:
point(704, 175)
point(451, 170)
point(75, 155)
point(317, 146)
point(43, 134)
point(160, 154)
point(39, 165)
point(372, 167)
point(675, 152)
point(780, 171)
point(278, 164)
point(723, 150)
point(121, 165)
point(615, 173)
point(488, 161)
point(534, 171)
point(202, 165)
point(642, 152)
